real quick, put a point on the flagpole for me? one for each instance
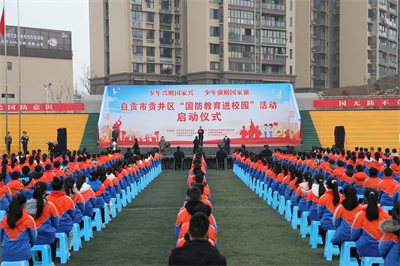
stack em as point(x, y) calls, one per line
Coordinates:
point(19, 80)
point(6, 65)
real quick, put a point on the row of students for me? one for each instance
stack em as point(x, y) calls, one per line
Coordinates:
point(358, 223)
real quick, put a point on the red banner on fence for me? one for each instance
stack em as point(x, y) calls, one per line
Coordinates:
point(39, 107)
point(353, 103)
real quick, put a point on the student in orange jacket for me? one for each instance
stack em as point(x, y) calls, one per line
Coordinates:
point(387, 187)
point(396, 166)
point(359, 177)
point(373, 180)
point(15, 185)
point(56, 170)
point(5, 169)
point(48, 173)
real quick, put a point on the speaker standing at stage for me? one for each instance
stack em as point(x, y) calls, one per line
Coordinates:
point(114, 135)
point(201, 135)
point(163, 146)
point(8, 141)
point(24, 140)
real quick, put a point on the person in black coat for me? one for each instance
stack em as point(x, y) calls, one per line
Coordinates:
point(227, 145)
point(178, 156)
point(136, 148)
point(266, 152)
point(196, 144)
point(197, 251)
point(221, 155)
point(128, 154)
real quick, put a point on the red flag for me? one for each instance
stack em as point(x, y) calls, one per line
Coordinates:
point(2, 25)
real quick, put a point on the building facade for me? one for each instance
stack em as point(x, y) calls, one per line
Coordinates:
point(46, 58)
point(191, 42)
point(343, 43)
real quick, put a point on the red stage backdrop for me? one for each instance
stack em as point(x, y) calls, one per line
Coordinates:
point(250, 114)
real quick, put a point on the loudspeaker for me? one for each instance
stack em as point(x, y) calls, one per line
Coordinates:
point(340, 134)
point(62, 139)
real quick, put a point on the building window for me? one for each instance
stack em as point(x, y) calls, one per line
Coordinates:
point(214, 66)
point(241, 51)
point(149, 17)
point(291, 22)
point(137, 33)
point(165, 4)
point(234, 33)
point(177, 36)
point(291, 70)
point(241, 17)
point(241, 67)
point(291, 5)
point(136, 1)
point(150, 34)
point(247, 3)
point(214, 48)
point(214, 81)
point(214, 31)
point(166, 37)
point(291, 54)
point(9, 65)
point(165, 18)
point(273, 36)
point(290, 37)
point(150, 68)
point(137, 68)
point(137, 15)
point(214, 13)
point(166, 69)
point(137, 50)
point(150, 3)
point(247, 35)
point(166, 52)
point(319, 83)
point(150, 51)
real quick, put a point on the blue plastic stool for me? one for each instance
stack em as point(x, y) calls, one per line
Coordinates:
point(269, 195)
point(253, 183)
point(265, 194)
point(345, 258)
point(133, 194)
point(128, 194)
point(62, 250)
point(281, 207)
point(257, 186)
point(97, 221)
point(330, 248)
point(275, 201)
point(288, 211)
point(366, 261)
point(87, 230)
point(123, 199)
point(387, 208)
point(113, 208)
point(119, 204)
point(295, 217)
point(76, 241)
point(261, 189)
point(304, 226)
point(315, 237)
point(46, 255)
point(106, 214)
point(2, 214)
point(15, 263)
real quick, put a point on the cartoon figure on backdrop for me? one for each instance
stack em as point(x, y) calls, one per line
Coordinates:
point(244, 133)
point(266, 130)
point(258, 132)
point(254, 132)
point(271, 129)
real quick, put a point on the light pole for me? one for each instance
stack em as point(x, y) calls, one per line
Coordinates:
point(47, 91)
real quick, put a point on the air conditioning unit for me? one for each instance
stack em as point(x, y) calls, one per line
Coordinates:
point(177, 41)
point(177, 26)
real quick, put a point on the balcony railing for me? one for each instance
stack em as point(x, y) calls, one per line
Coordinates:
point(234, 37)
point(271, 6)
point(280, 72)
point(241, 55)
point(166, 41)
point(247, 38)
point(270, 23)
point(382, 47)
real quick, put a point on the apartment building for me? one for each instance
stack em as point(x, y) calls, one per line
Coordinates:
point(343, 43)
point(191, 42)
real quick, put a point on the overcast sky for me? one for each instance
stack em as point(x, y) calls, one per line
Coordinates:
point(71, 15)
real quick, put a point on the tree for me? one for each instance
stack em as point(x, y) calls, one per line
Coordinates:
point(85, 79)
point(61, 93)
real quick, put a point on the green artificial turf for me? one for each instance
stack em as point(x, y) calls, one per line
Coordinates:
point(249, 231)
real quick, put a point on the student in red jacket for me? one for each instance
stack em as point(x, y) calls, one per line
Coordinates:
point(365, 229)
point(15, 185)
point(373, 180)
point(389, 243)
point(56, 170)
point(46, 217)
point(65, 208)
point(396, 166)
point(48, 173)
point(386, 188)
point(17, 232)
point(359, 178)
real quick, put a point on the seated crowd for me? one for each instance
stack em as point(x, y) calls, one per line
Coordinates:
point(351, 193)
point(195, 227)
point(45, 195)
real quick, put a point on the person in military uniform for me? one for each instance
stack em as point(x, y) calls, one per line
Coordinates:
point(8, 141)
point(24, 140)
